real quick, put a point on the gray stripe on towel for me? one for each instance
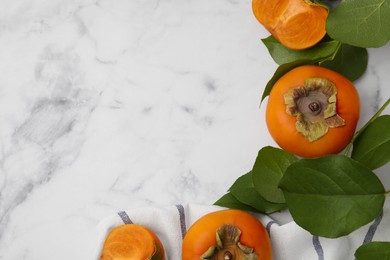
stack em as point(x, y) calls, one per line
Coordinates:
point(125, 218)
point(182, 217)
point(372, 229)
point(318, 247)
point(268, 227)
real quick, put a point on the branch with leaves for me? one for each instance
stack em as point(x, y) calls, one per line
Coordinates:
point(334, 195)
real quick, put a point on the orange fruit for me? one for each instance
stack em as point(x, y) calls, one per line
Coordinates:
point(312, 111)
point(132, 242)
point(297, 24)
point(240, 236)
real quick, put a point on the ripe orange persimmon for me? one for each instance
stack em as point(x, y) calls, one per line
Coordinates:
point(312, 111)
point(227, 234)
point(130, 242)
point(297, 24)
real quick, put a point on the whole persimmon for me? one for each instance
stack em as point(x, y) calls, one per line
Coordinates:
point(227, 234)
point(297, 24)
point(130, 242)
point(312, 111)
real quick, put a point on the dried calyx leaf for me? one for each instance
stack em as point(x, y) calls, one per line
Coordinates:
point(316, 3)
point(314, 106)
point(228, 246)
point(158, 253)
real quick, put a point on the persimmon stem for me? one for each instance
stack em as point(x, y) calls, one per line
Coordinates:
point(358, 133)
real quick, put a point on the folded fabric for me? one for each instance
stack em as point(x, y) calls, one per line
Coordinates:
point(289, 241)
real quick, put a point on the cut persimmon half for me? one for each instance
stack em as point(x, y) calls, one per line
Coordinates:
point(297, 24)
point(132, 242)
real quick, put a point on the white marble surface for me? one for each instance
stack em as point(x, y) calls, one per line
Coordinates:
point(114, 104)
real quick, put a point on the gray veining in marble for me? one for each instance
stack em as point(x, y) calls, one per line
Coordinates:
point(107, 105)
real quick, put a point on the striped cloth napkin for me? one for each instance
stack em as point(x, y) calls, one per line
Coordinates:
point(289, 241)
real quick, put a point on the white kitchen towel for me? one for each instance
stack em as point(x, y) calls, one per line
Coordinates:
point(289, 241)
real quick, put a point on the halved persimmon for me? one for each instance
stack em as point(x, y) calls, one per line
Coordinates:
point(313, 111)
point(132, 242)
point(297, 24)
point(227, 235)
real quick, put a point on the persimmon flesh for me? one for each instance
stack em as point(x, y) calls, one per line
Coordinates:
point(297, 24)
point(312, 111)
point(227, 234)
point(132, 242)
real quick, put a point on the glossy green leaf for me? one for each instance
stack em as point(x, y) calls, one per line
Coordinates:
point(372, 147)
point(349, 61)
point(282, 55)
point(244, 190)
point(373, 251)
point(362, 23)
point(332, 196)
point(231, 202)
point(270, 165)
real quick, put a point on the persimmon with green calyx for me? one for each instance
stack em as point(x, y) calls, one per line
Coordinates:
point(132, 242)
point(297, 24)
point(227, 235)
point(313, 111)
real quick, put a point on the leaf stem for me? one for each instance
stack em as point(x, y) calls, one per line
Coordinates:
point(333, 56)
point(358, 133)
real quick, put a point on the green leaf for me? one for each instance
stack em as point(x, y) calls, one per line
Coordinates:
point(320, 54)
point(244, 190)
point(229, 201)
point(332, 196)
point(270, 165)
point(282, 55)
point(362, 23)
point(349, 61)
point(280, 71)
point(373, 251)
point(372, 146)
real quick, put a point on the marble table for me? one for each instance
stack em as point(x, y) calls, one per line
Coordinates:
point(116, 104)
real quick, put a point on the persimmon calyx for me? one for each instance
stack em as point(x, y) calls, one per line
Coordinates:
point(314, 106)
point(228, 246)
point(158, 253)
point(316, 3)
